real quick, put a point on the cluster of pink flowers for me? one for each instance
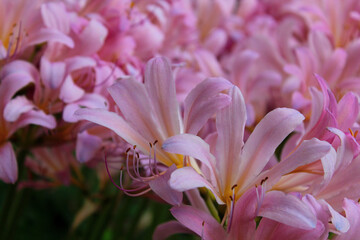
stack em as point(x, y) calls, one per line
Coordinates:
point(241, 114)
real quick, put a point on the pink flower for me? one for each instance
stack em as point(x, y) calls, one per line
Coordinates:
point(238, 166)
point(16, 113)
point(151, 111)
point(283, 217)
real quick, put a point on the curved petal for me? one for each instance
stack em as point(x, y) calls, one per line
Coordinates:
point(347, 111)
point(115, 123)
point(69, 91)
point(187, 178)
point(244, 216)
point(308, 152)
point(133, 101)
point(161, 187)
point(230, 125)
point(8, 164)
point(340, 222)
point(287, 209)
point(86, 146)
point(17, 106)
point(52, 73)
point(50, 35)
point(37, 117)
point(263, 141)
point(202, 223)
point(165, 230)
point(352, 210)
point(203, 101)
point(190, 145)
point(91, 100)
point(160, 85)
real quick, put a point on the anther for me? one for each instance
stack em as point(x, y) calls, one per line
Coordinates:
point(134, 146)
point(235, 185)
point(155, 142)
point(127, 150)
point(263, 181)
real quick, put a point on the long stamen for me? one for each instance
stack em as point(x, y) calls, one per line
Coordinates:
point(202, 230)
point(232, 198)
point(261, 196)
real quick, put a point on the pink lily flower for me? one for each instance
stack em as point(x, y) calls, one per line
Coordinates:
point(284, 217)
point(237, 166)
point(23, 28)
point(16, 113)
point(151, 114)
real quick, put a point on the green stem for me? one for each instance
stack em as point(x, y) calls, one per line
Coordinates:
point(12, 202)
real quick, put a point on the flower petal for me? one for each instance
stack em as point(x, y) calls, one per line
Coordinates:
point(263, 141)
point(308, 152)
point(160, 85)
point(37, 117)
point(8, 164)
point(52, 73)
point(161, 187)
point(187, 178)
point(287, 209)
point(165, 230)
point(203, 101)
point(230, 124)
point(133, 101)
point(86, 146)
point(202, 223)
point(190, 145)
point(352, 210)
point(17, 106)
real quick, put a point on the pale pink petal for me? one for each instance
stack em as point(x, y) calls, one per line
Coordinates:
point(202, 223)
point(340, 222)
point(165, 230)
point(308, 152)
point(287, 209)
point(160, 86)
point(334, 65)
point(17, 106)
point(190, 145)
point(230, 124)
point(345, 153)
point(161, 187)
point(352, 210)
point(78, 62)
point(272, 230)
point(15, 76)
point(52, 73)
point(187, 178)
point(49, 35)
point(115, 123)
point(8, 164)
point(133, 101)
point(208, 63)
point(90, 100)
point(321, 117)
point(87, 146)
point(203, 101)
point(347, 111)
point(243, 222)
point(263, 141)
point(55, 16)
point(69, 91)
point(91, 39)
point(241, 67)
point(37, 117)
